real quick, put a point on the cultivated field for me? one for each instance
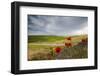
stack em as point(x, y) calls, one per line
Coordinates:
point(57, 47)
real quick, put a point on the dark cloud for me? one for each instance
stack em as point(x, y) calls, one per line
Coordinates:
point(56, 25)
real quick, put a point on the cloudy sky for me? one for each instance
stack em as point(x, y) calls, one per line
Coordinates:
point(57, 25)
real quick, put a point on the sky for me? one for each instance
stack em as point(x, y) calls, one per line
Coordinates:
point(57, 25)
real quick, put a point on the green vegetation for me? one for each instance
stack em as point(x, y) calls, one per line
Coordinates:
point(42, 48)
point(75, 52)
point(44, 39)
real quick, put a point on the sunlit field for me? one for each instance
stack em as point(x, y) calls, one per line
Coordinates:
point(43, 47)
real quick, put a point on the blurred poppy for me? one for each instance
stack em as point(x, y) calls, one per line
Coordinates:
point(57, 50)
point(69, 38)
point(68, 44)
point(84, 40)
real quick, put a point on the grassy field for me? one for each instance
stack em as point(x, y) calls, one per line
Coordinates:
point(44, 39)
point(42, 47)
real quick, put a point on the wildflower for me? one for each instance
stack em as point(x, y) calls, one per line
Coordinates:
point(84, 40)
point(69, 38)
point(68, 44)
point(57, 50)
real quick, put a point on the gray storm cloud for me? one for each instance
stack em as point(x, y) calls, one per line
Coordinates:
point(57, 25)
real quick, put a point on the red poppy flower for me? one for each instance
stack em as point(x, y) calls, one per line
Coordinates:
point(68, 44)
point(69, 38)
point(83, 40)
point(57, 50)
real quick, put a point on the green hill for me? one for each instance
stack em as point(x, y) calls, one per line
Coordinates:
point(44, 38)
point(52, 39)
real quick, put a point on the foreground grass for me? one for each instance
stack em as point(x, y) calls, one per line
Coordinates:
point(45, 53)
point(76, 52)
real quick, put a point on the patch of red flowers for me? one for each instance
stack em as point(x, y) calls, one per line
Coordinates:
point(57, 50)
point(68, 44)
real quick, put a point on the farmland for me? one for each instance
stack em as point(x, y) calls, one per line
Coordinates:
point(42, 47)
